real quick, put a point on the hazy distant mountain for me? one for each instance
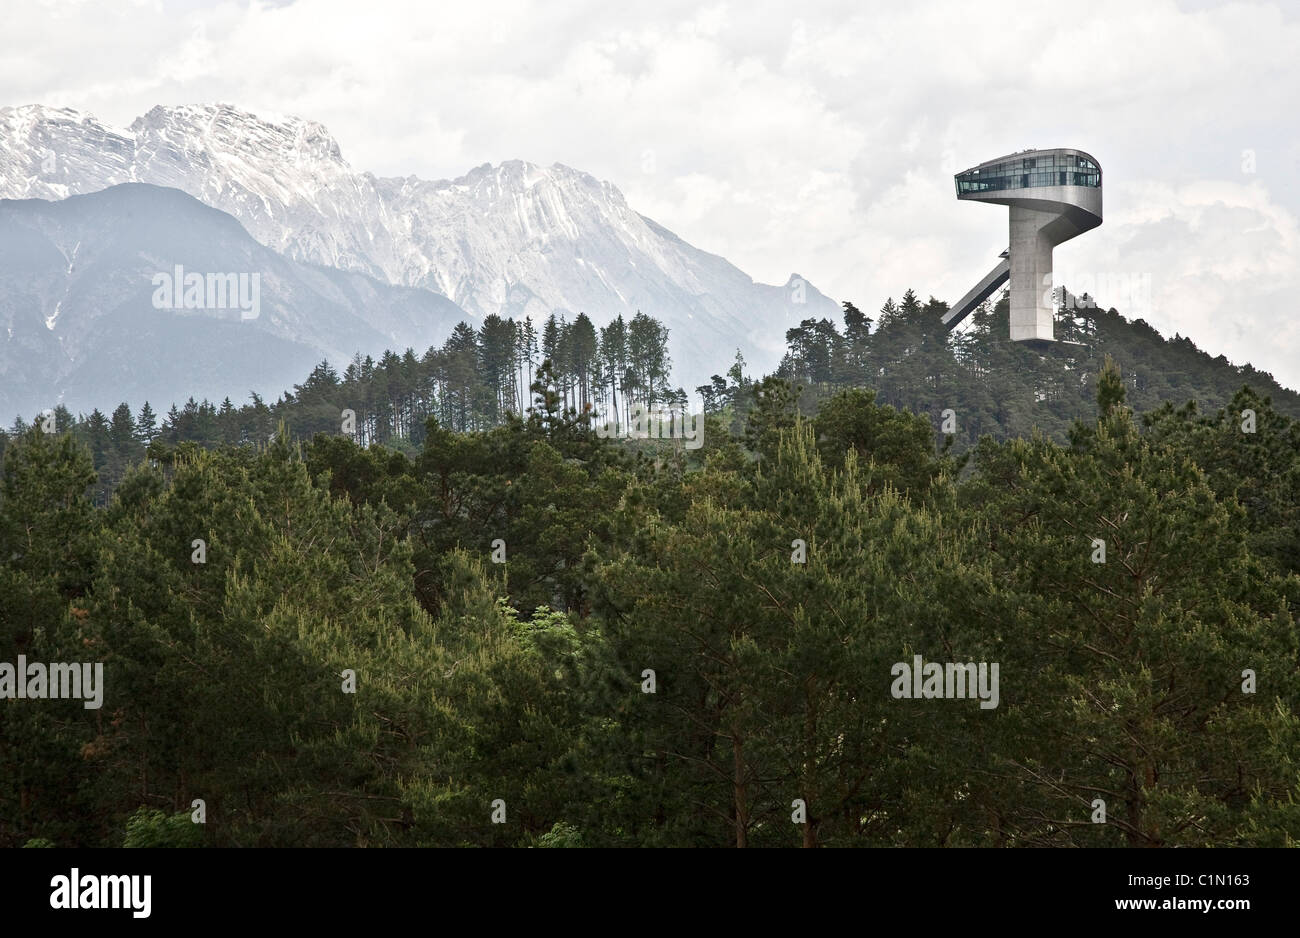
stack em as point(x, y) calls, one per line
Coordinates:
point(514, 239)
point(81, 323)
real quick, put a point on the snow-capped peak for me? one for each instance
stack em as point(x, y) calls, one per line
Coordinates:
point(512, 238)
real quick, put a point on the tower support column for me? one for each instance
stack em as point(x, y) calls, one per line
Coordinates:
point(1031, 274)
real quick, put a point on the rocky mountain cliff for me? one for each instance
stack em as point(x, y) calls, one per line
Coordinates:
point(514, 239)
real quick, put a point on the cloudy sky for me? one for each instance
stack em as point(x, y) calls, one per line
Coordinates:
point(811, 137)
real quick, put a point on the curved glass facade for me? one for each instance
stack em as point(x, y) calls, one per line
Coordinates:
point(1027, 172)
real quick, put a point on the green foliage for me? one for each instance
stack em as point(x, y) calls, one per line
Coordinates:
point(149, 827)
point(561, 835)
point(1007, 389)
point(897, 447)
point(1138, 660)
point(238, 586)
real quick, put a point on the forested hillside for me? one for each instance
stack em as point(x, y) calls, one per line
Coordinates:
point(494, 629)
point(1006, 388)
point(479, 377)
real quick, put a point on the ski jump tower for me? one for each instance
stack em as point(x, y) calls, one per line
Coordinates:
point(1054, 195)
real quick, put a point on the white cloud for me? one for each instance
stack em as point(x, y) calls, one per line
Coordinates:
point(1223, 263)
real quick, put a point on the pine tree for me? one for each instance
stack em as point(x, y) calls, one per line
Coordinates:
point(146, 425)
point(1130, 596)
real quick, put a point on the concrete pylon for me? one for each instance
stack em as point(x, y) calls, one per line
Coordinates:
point(1053, 195)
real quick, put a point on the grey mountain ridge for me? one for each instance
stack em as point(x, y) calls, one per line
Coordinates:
point(513, 239)
point(80, 327)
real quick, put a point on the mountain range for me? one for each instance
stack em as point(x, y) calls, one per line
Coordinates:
point(515, 239)
point(80, 285)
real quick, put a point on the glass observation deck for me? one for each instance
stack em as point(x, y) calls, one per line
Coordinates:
point(1043, 169)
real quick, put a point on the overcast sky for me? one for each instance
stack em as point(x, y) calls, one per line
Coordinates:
point(810, 137)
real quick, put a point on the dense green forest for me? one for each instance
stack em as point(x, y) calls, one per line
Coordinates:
point(478, 379)
point(466, 625)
